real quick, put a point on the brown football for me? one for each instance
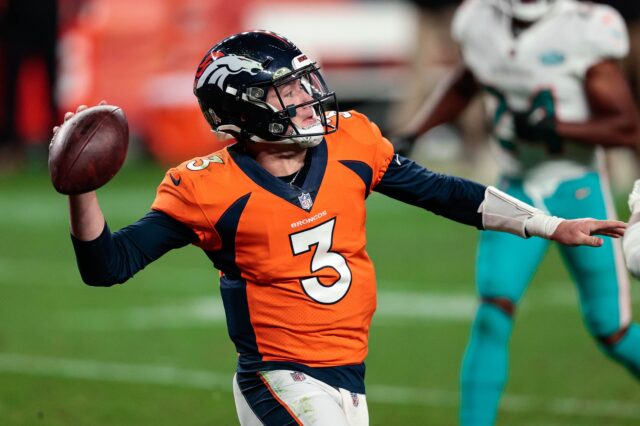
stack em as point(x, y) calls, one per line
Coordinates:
point(88, 149)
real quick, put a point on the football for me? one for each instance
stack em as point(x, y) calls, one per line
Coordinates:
point(88, 149)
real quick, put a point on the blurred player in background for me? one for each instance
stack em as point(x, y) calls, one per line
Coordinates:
point(625, 168)
point(281, 214)
point(433, 56)
point(554, 94)
point(29, 34)
point(630, 11)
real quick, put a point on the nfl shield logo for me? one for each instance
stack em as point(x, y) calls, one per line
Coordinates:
point(297, 376)
point(305, 201)
point(354, 399)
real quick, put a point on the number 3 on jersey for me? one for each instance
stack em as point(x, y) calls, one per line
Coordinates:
point(321, 236)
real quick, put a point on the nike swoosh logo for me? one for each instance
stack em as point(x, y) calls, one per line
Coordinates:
point(175, 181)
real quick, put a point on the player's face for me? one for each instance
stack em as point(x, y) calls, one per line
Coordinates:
point(295, 92)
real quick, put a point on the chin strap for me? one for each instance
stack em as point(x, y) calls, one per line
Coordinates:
point(502, 212)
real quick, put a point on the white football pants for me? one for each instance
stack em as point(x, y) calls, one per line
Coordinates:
point(308, 401)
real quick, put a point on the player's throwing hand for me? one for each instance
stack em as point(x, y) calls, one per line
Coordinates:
point(88, 149)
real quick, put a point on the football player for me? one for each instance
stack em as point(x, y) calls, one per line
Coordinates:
point(554, 93)
point(281, 215)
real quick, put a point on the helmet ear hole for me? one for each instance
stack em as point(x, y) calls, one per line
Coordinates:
point(276, 128)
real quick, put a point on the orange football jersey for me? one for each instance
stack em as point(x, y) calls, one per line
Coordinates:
point(296, 280)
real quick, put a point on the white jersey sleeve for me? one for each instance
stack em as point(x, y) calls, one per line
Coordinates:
point(463, 18)
point(607, 33)
point(631, 239)
point(631, 248)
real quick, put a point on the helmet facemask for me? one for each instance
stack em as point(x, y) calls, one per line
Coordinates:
point(298, 100)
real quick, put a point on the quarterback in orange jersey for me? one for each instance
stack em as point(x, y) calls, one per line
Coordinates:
point(299, 247)
point(281, 214)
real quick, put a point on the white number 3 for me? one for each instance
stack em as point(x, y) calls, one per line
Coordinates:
point(322, 237)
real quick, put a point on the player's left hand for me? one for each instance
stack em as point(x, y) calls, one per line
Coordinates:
point(537, 126)
point(580, 232)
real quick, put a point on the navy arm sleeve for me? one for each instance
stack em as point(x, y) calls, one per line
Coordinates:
point(113, 258)
point(452, 197)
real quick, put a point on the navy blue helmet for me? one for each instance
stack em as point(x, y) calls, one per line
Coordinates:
point(242, 83)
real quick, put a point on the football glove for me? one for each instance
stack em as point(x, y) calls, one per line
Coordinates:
point(537, 126)
point(634, 197)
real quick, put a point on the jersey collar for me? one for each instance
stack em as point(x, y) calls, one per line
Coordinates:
point(290, 193)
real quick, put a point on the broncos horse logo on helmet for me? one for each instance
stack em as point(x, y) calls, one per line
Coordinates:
point(221, 67)
point(237, 75)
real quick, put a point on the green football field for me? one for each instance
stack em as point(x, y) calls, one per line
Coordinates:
point(155, 351)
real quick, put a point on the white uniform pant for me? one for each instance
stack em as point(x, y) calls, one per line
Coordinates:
point(286, 397)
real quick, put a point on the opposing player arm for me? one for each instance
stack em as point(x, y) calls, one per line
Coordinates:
point(487, 208)
point(446, 102)
point(614, 119)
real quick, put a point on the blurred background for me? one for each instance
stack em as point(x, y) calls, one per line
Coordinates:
point(381, 57)
point(142, 56)
point(155, 351)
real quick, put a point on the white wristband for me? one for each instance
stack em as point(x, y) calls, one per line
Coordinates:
point(542, 225)
point(502, 212)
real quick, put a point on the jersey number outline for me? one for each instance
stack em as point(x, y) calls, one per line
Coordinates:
point(202, 163)
point(321, 236)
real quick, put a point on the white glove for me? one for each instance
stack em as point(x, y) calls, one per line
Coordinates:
point(634, 197)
